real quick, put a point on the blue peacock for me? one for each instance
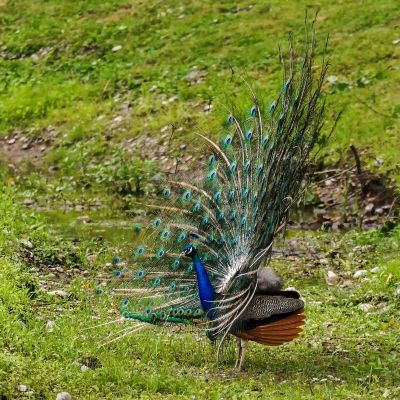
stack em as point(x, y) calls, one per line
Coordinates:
point(200, 256)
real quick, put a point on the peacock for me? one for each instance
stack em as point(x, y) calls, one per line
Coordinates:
point(200, 255)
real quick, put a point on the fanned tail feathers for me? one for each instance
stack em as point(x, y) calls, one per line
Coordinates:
point(231, 214)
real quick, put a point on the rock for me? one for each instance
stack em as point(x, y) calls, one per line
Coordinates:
point(397, 292)
point(23, 388)
point(85, 219)
point(366, 307)
point(116, 48)
point(50, 326)
point(26, 243)
point(28, 202)
point(332, 278)
point(360, 274)
point(375, 270)
point(332, 79)
point(347, 284)
point(59, 293)
point(92, 257)
point(195, 76)
point(172, 99)
point(63, 396)
point(369, 207)
point(84, 368)
point(60, 270)
point(11, 141)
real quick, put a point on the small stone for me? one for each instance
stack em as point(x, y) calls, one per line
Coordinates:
point(28, 202)
point(397, 292)
point(92, 257)
point(116, 48)
point(26, 243)
point(360, 274)
point(332, 79)
point(375, 270)
point(332, 278)
point(63, 396)
point(84, 368)
point(59, 293)
point(23, 388)
point(50, 326)
point(365, 307)
point(85, 219)
point(369, 207)
point(172, 99)
point(195, 76)
point(60, 270)
point(11, 141)
point(386, 394)
point(165, 128)
point(347, 284)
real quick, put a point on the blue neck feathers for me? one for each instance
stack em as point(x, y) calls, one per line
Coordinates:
point(206, 291)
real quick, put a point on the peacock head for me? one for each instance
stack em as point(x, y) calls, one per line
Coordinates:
point(189, 251)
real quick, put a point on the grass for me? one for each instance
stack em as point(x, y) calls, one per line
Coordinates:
point(74, 63)
point(345, 352)
point(93, 79)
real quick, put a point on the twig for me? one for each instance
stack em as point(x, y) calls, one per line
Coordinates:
point(357, 158)
point(372, 109)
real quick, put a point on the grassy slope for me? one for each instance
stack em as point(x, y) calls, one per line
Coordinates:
point(58, 68)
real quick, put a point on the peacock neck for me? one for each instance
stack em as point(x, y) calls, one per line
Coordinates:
point(206, 291)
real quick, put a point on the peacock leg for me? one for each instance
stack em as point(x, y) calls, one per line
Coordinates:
point(238, 341)
point(242, 345)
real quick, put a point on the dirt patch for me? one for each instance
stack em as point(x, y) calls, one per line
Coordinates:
point(348, 197)
point(21, 146)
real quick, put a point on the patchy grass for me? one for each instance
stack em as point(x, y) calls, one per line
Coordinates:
point(115, 70)
point(346, 351)
point(88, 93)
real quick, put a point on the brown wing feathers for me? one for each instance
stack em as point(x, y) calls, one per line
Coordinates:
point(278, 332)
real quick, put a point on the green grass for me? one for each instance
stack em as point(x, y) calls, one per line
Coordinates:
point(59, 67)
point(63, 77)
point(343, 353)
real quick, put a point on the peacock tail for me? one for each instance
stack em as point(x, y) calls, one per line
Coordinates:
point(231, 213)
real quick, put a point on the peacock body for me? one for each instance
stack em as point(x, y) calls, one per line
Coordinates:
point(200, 257)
